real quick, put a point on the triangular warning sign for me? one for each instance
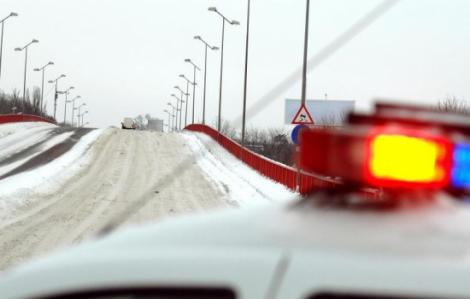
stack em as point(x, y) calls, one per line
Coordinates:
point(303, 117)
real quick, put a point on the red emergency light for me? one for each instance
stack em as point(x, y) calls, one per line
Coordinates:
point(404, 158)
point(388, 157)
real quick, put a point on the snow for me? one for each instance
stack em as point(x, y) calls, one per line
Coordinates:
point(44, 147)
point(17, 190)
point(237, 181)
point(18, 136)
point(14, 128)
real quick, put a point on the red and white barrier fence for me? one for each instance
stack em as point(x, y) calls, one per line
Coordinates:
point(15, 118)
point(288, 176)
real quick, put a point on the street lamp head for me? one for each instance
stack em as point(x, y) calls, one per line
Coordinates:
point(212, 9)
point(187, 60)
point(182, 76)
point(173, 95)
point(50, 63)
point(34, 41)
point(197, 37)
point(13, 14)
point(36, 70)
point(50, 81)
point(234, 22)
point(215, 48)
point(18, 49)
point(62, 76)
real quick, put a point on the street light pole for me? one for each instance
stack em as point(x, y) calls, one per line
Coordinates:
point(304, 69)
point(78, 115)
point(169, 125)
point(66, 92)
point(245, 85)
point(12, 14)
point(42, 85)
point(56, 93)
point(25, 49)
point(83, 115)
point(187, 97)
point(194, 84)
point(206, 45)
point(73, 108)
point(172, 116)
point(233, 22)
point(179, 107)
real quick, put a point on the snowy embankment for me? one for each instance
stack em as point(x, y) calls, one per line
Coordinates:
point(16, 190)
point(236, 180)
point(16, 137)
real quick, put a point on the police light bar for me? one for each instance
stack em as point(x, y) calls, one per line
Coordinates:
point(389, 160)
point(386, 157)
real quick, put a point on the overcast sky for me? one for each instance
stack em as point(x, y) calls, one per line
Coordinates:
point(124, 56)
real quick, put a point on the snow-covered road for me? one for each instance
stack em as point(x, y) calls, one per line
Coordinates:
point(124, 169)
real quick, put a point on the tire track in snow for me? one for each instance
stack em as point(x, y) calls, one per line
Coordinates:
point(50, 154)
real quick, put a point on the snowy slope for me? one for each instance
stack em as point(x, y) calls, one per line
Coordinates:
point(49, 143)
point(18, 136)
point(235, 180)
point(45, 176)
point(16, 190)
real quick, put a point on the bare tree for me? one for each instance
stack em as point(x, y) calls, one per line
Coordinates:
point(453, 104)
point(13, 103)
point(36, 100)
point(272, 143)
point(331, 120)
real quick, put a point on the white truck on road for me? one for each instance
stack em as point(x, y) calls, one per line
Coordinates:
point(128, 123)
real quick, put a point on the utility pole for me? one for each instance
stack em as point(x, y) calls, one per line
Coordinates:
point(195, 68)
point(42, 85)
point(304, 68)
point(206, 45)
point(56, 93)
point(25, 49)
point(12, 14)
point(245, 86)
point(233, 22)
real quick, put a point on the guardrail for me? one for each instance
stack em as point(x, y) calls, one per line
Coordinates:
point(288, 176)
point(15, 118)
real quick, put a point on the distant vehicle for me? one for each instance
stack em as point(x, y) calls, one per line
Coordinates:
point(128, 124)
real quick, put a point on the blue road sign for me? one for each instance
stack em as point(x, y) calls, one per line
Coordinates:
point(296, 133)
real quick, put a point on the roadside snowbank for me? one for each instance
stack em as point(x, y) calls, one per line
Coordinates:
point(14, 128)
point(237, 181)
point(43, 147)
point(18, 136)
point(21, 188)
